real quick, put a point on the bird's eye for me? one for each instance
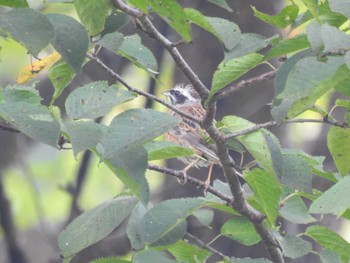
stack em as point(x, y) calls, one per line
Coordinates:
point(176, 92)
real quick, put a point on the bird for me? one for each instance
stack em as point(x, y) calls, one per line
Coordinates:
point(188, 133)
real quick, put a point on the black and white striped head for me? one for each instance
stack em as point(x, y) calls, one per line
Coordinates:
point(181, 95)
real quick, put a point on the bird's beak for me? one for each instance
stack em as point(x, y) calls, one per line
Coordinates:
point(166, 93)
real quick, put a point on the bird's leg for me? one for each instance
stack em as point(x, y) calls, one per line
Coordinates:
point(184, 171)
point(207, 182)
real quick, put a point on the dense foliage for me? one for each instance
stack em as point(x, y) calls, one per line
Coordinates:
point(314, 62)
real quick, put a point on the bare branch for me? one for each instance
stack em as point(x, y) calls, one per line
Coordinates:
point(243, 84)
point(273, 123)
point(191, 180)
point(202, 244)
point(140, 92)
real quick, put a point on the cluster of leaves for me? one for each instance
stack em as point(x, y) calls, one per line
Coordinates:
point(316, 62)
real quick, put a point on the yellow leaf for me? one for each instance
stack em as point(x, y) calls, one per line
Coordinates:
point(33, 69)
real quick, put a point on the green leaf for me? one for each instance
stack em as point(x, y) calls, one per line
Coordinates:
point(83, 134)
point(94, 224)
point(294, 247)
point(164, 217)
point(306, 82)
point(283, 19)
point(295, 211)
point(221, 3)
point(35, 121)
point(327, 16)
point(110, 260)
point(241, 230)
point(112, 41)
point(267, 190)
point(232, 70)
point(60, 75)
point(149, 256)
point(287, 46)
point(338, 142)
point(115, 21)
point(315, 163)
point(71, 39)
point(314, 36)
point(196, 17)
point(138, 54)
point(296, 173)
point(329, 240)
point(334, 200)
point(333, 38)
point(204, 216)
point(130, 168)
point(185, 252)
point(249, 260)
point(28, 27)
point(18, 93)
point(284, 70)
point(160, 150)
point(95, 99)
point(328, 256)
point(140, 4)
point(229, 31)
point(261, 144)
point(92, 14)
point(311, 5)
point(14, 3)
point(133, 229)
point(340, 6)
point(248, 43)
point(133, 128)
point(173, 14)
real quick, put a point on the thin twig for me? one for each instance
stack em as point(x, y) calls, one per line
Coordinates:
point(192, 180)
point(243, 84)
point(274, 123)
point(202, 244)
point(140, 92)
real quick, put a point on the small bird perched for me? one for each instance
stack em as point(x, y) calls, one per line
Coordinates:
point(188, 133)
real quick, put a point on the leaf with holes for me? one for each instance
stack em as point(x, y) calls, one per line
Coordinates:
point(338, 142)
point(95, 99)
point(138, 54)
point(94, 224)
point(133, 128)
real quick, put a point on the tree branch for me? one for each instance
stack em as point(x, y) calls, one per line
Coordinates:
point(243, 84)
point(274, 123)
point(140, 92)
point(206, 246)
point(192, 180)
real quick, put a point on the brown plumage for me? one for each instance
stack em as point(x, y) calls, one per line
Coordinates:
point(188, 133)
